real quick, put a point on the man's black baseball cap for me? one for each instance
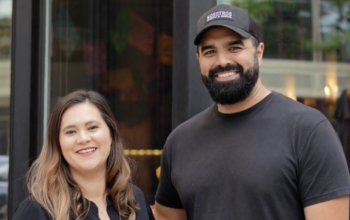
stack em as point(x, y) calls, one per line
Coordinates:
point(234, 18)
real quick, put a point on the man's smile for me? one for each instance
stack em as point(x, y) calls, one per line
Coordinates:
point(228, 75)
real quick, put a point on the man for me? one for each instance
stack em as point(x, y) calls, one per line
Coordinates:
point(255, 154)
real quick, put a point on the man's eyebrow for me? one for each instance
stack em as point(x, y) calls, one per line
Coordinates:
point(235, 42)
point(230, 43)
point(206, 47)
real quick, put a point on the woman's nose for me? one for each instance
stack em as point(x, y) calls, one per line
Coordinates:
point(83, 137)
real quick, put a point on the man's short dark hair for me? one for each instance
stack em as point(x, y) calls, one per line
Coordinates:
point(255, 42)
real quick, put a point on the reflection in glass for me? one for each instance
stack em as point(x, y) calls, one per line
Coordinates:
point(5, 63)
point(122, 49)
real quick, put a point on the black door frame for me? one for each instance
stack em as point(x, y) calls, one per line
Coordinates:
point(27, 89)
point(189, 94)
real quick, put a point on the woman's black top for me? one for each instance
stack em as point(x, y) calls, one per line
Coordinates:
point(30, 209)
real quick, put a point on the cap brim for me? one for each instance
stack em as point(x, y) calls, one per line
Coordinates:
point(235, 29)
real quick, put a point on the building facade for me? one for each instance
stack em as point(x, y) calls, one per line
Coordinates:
point(140, 56)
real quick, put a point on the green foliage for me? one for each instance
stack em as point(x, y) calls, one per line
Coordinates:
point(338, 2)
point(331, 43)
point(121, 30)
point(5, 22)
point(258, 10)
point(286, 28)
point(336, 41)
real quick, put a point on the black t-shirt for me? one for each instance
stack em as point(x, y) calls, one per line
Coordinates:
point(267, 162)
point(30, 209)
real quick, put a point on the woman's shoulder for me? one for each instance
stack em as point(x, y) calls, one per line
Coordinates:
point(29, 207)
point(137, 190)
point(144, 211)
point(139, 195)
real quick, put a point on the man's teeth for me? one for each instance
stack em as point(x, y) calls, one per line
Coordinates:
point(86, 151)
point(226, 74)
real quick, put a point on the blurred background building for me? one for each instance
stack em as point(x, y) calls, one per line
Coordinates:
point(140, 56)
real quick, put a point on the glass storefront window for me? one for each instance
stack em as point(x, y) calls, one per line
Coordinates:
point(123, 50)
point(5, 65)
point(307, 54)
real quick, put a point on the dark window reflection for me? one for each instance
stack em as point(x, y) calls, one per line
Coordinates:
point(122, 49)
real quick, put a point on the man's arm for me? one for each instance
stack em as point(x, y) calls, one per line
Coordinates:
point(161, 212)
point(335, 209)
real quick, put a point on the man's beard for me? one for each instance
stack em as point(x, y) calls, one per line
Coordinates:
point(232, 91)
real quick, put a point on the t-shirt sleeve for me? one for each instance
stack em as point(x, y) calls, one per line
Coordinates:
point(323, 171)
point(166, 193)
point(29, 209)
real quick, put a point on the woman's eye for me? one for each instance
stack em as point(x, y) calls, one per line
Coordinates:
point(70, 132)
point(93, 127)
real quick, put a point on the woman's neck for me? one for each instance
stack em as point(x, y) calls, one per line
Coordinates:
point(92, 186)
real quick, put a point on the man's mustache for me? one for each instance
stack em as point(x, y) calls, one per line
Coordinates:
point(229, 67)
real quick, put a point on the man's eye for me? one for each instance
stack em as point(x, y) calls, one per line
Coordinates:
point(235, 48)
point(209, 52)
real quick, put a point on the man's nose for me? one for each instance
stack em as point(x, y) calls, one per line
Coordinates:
point(83, 137)
point(223, 59)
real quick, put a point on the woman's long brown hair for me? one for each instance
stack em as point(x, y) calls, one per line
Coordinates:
point(50, 182)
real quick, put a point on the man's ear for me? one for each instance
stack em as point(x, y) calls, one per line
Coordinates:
point(260, 52)
point(197, 55)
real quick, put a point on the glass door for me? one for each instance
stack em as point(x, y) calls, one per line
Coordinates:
point(123, 50)
point(5, 82)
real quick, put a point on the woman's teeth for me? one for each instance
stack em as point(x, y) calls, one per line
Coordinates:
point(86, 151)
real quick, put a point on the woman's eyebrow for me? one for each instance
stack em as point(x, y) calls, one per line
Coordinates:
point(87, 124)
point(68, 127)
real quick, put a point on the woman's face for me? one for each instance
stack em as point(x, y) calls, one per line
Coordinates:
point(85, 139)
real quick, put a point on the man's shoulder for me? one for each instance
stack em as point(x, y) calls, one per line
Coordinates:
point(189, 128)
point(292, 108)
point(200, 117)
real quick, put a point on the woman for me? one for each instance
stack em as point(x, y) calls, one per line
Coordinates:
point(81, 172)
